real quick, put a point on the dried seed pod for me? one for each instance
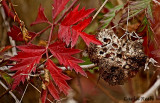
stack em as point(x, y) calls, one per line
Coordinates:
point(118, 59)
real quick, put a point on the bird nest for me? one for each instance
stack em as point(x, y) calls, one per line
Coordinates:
point(118, 58)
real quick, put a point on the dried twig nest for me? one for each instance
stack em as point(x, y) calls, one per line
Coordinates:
point(118, 58)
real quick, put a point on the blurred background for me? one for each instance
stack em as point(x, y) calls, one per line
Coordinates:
point(84, 90)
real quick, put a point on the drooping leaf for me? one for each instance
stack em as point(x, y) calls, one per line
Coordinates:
point(41, 18)
point(155, 51)
point(59, 79)
point(63, 55)
point(145, 30)
point(136, 7)
point(65, 32)
point(17, 34)
point(26, 59)
point(58, 6)
point(110, 15)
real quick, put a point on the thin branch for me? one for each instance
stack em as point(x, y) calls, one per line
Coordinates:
point(24, 93)
point(99, 9)
point(149, 92)
point(15, 98)
point(4, 93)
point(12, 42)
point(82, 66)
point(39, 91)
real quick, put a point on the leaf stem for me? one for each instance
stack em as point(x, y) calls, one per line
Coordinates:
point(42, 31)
point(99, 9)
point(49, 40)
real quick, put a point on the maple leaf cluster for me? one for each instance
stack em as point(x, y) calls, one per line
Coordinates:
point(28, 59)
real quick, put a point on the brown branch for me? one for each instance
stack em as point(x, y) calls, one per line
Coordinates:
point(4, 93)
point(4, 86)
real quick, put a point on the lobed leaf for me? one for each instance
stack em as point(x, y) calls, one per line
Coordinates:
point(70, 34)
point(58, 6)
point(59, 78)
point(26, 59)
point(63, 55)
point(77, 31)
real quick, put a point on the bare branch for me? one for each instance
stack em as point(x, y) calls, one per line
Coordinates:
point(82, 66)
point(99, 9)
point(24, 93)
point(12, 42)
point(15, 98)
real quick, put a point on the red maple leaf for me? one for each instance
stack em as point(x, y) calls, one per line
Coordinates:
point(41, 18)
point(77, 31)
point(63, 55)
point(58, 6)
point(52, 90)
point(27, 59)
point(58, 77)
point(17, 35)
point(68, 35)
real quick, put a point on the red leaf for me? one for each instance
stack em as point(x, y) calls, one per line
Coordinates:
point(76, 16)
point(63, 55)
point(70, 34)
point(58, 6)
point(58, 77)
point(41, 18)
point(27, 59)
point(17, 35)
point(43, 96)
point(53, 91)
point(77, 31)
